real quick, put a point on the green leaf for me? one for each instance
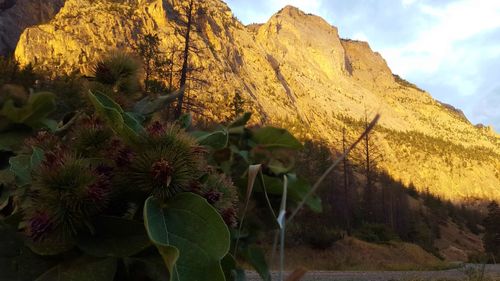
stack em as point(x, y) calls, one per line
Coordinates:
point(132, 123)
point(121, 122)
point(170, 256)
point(13, 140)
point(149, 105)
point(33, 113)
point(297, 190)
point(275, 138)
point(50, 246)
point(21, 167)
point(238, 125)
point(256, 258)
point(216, 140)
point(36, 157)
point(49, 124)
point(110, 110)
point(4, 198)
point(229, 267)
point(82, 269)
point(185, 120)
point(188, 223)
point(18, 263)
point(241, 121)
point(152, 266)
point(40, 105)
point(115, 237)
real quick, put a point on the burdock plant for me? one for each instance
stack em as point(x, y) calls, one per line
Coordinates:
point(90, 137)
point(219, 191)
point(67, 192)
point(165, 162)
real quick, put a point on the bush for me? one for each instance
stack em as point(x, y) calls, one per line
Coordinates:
point(376, 233)
point(323, 237)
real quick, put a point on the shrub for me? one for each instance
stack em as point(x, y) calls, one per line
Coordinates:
point(376, 233)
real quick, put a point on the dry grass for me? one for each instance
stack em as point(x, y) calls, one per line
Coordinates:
point(353, 254)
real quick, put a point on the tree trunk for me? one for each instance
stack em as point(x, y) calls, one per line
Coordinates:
point(185, 63)
point(347, 212)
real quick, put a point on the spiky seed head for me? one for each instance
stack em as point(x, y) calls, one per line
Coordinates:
point(229, 216)
point(162, 172)
point(219, 191)
point(91, 137)
point(71, 192)
point(164, 163)
point(155, 129)
point(120, 71)
point(39, 225)
point(45, 141)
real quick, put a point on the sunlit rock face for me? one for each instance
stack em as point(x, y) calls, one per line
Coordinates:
point(17, 15)
point(293, 71)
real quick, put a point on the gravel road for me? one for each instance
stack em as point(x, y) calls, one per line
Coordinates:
point(492, 271)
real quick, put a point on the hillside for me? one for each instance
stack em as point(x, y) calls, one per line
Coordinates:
point(295, 71)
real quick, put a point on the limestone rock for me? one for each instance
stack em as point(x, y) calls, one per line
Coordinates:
point(17, 15)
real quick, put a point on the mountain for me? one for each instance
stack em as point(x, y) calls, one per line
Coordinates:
point(17, 15)
point(294, 71)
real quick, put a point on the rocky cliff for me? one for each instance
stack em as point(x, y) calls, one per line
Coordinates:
point(294, 71)
point(17, 15)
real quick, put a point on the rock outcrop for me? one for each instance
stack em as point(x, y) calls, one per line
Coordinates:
point(294, 71)
point(17, 15)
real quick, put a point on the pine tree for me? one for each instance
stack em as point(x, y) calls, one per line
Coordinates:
point(491, 236)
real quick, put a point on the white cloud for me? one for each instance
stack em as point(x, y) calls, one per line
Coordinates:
point(407, 3)
point(437, 48)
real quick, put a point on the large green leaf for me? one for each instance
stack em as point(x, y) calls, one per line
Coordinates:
point(36, 157)
point(82, 269)
point(149, 105)
point(272, 137)
point(238, 125)
point(21, 167)
point(13, 140)
point(185, 121)
point(229, 267)
point(18, 263)
point(40, 105)
point(33, 113)
point(241, 120)
point(121, 122)
point(255, 256)
point(115, 237)
point(216, 140)
point(152, 266)
point(192, 226)
point(50, 246)
point(297, 190)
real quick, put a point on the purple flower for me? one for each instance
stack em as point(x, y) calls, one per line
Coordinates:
point(212, 196)
point(162, 171)
point(39, 225)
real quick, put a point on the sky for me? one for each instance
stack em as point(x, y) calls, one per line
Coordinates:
point(450, 48)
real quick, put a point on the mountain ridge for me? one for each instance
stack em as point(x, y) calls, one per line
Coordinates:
point(294, 71)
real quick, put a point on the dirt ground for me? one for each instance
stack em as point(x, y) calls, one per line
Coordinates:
point(470, 272)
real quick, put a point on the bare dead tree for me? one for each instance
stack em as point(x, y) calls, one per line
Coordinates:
point(347, 197)
point(370, 155)
point(185, 63)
